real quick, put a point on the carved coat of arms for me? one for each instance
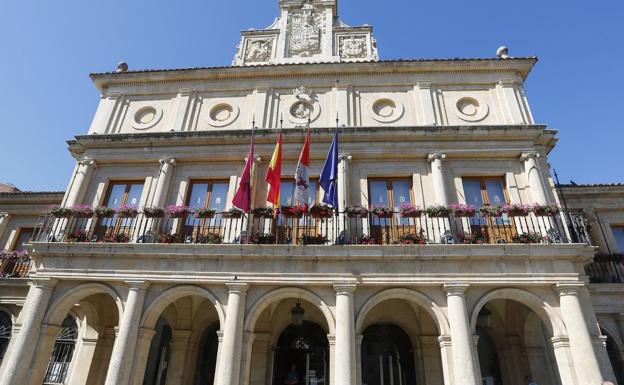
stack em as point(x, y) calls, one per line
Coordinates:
point(306, 29)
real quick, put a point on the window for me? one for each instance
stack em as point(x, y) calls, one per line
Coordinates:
point(391, 193)
point(481, 192)
point(287, 193)
point(618, 234)
point(6, 328)
point(208, 194)
point(58, 366)
point(120, 194)
point(23, 237)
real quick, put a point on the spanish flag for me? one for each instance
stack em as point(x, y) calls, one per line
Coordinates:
point(274, 174)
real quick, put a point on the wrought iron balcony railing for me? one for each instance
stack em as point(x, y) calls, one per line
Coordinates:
point(14, 265)
point(306, 230)
point(606, 268)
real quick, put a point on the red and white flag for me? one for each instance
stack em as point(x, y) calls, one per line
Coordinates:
point(302, 176)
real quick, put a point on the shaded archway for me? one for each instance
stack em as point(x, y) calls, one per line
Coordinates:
point(6, 329)
point(206, 366)
point(301, 354)
point(57, 370)
point(615, 352)
point(159, 354)
point(387, 356)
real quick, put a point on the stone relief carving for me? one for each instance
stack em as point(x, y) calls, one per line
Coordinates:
point(259, 51)
point(471, 109)
point(146, 117)
point(301, 110)
point(306, 107)
point(352, 47)
point(305, 30)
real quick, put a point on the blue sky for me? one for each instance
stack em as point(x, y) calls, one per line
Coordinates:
point(50, 47)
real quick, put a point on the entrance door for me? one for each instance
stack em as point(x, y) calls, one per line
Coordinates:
point(489, 192)
point(387, 356)
point(302, 356)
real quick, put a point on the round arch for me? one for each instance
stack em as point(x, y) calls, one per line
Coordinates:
point(158, 305)
point(608, 332)
point(59, 309)
point(544, 311)
point(285, 293)
point(409, 295)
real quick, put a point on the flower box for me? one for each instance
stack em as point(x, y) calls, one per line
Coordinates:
point(205, 213)
point(233, 213)
point(477, 238)
point(463, 211)
point(153, 212)
point(313, 240)
point(516, 210)
point(356, 212)
point(128, 211)
point(297, 211)
point(491, 211)
point(438, 211)
point(83, 211)
point(61, 212)
point(409, 211)
point(321, 210)
point(104, 212)
point(262, 239)
point(528, 238)
point(178, 211)
point(382, 212)
point(263, 212)
point(212, 239)
point(413, 239)
point(546, 210)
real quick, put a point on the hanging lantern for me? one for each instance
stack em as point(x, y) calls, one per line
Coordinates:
point(484, 319)
point(297, 313)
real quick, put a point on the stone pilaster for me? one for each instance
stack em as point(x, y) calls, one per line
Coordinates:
point(437, 175)
point(164, 177)
point(78, 189)
point(534, 177)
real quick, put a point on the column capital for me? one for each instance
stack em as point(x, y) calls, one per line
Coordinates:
point(436, 156)
point(560, 342)
point(345, 288)
point(112, 94)
point(137, 285)
point(424, 85)
point(344, 157)
point(331, 338)
point(167, 160)
point(237, 287)
point(571, 288)
point(444, 341)
point(220, 336)
point(456, 288)
point(45, 283)
point(83, 161)
point(507, 82)
point(4, 215)
point(185, 91)
point(529, 155)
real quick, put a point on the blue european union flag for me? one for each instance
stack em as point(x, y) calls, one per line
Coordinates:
point(329, 176)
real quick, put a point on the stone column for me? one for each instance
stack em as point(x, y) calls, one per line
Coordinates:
point(358, 358)
point(463, 351)
point(345, 335)
point(4, 221)
point(179, 348)
point(78, 188)
point(220, 342)
point(446, 351)
point(437, 175)
point(41, 357)
point(17, 361)
point(583, 355)
point(230, 348)
point(162, 185)
point(120, 365)
point(534, 177)
point(141, 353)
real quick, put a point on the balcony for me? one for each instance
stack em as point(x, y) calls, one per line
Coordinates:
point(606, 268)
point(302, 230)
point(14, 265)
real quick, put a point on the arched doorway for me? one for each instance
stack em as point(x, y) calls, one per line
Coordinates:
point(387, 356)
point(615, 357)
point(63, 352)
point(302, 355)
point(6, 328)
point(207, 356)
point(488, 355)
point(158, 359)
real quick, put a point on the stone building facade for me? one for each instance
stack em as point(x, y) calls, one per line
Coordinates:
point(154, 296)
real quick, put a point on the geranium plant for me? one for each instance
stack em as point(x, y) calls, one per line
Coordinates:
point(178, 211)
point(263, 212)
point(413, 239)
point(104, 212)
point(491, 211)
point(356, 211)
point(211, 238)
point(233, 213)
point(530, 237)
point(82, 211)
point(321, 210)
point(61, 212)
point(408, 210)
point(381, 211)
point(365, 240)
point(128, 211)
point(262, 239)
point(517, 210)
point(296, 211)
point(545, 210)
point(313, 240)
point(438, 211)
point(463, 210)
point(205, 212)
point(473, 238)
point(153, 212)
